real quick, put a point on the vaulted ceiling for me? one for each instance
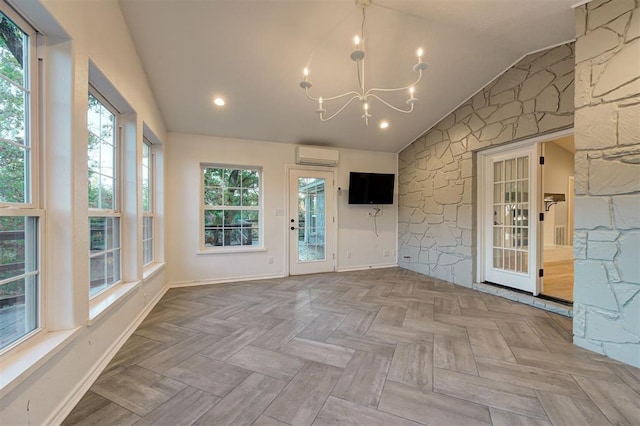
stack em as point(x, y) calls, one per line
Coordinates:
point(253, 52)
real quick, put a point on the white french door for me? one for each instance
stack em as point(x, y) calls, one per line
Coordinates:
point(311, 222)
point(510, 218)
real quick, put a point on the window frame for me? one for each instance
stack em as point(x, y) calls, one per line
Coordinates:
point(31, 207)
point(203, 249)
point(32, 122)
point(116, 212)
point(150, 213)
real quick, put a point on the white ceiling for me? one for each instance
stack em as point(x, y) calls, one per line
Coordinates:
point(253, 53)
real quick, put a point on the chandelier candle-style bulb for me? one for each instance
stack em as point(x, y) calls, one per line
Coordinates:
point(363, 94)
point(420, 66)
point(358, 53)
point(305, 80)
point(320, 110)
point(412, 99)
point(366, 114)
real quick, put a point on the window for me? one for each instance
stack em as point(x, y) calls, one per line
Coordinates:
point(104, 213)
point(147, 203)
point(231, 206)
point(19, 235)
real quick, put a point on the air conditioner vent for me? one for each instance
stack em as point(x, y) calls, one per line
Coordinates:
point(313, 156)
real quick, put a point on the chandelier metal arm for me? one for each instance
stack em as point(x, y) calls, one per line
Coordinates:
point(391, 106)
point(358, 56)
point(333, 98)
point(360, 75)
point(399, 89)
point(356, 96)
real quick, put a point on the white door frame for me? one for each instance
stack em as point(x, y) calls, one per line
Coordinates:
point(334, 246)
point(482, 200)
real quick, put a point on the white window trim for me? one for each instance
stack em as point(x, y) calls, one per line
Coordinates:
point(152, 239)
point(24, 360)
point(203, 250)
point(40, 317)
point(97, 304)
point(32, 128)
point(107, 299)
point(94, 298)
point(117, 156)
point(152, 205)
point(31, 208)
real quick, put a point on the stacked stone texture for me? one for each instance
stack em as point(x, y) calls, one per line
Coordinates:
point(607, 179)
point(437, 177)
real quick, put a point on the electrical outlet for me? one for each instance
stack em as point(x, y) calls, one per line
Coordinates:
point(348, 255)
point(144, 299)
point(385, 253)
point(270, 260)
point(375, 212)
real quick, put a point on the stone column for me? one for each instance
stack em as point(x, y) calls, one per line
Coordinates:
point(607, 179)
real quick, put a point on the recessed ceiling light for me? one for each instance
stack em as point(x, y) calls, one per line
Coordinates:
point(218, 101)
point(384, 124)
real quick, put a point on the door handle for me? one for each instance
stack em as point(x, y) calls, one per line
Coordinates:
point(293, 228)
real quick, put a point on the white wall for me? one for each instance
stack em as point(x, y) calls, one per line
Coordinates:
point(77, 33)
point(355, 227)
point(355, 231)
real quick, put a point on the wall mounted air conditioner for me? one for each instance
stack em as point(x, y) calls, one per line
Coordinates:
point(313, 156)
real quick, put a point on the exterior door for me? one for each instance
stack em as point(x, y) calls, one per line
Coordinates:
point(510, 219)
point(311, 222)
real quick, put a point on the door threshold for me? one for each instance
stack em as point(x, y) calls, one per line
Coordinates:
point(561, 308)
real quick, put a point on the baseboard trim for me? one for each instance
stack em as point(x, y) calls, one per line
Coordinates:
point(367, 267)
point(76, 395)
point(178, 284)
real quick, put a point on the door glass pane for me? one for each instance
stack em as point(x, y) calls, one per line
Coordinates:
point(497, 258)
point(511, 215)
point(311, 219)
point(498, 193)
point(497, 171)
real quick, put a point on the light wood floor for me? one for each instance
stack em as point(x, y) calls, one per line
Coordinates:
point(383, 347)
point(558, 279)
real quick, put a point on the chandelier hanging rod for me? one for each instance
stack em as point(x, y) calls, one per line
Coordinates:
point(358, 56)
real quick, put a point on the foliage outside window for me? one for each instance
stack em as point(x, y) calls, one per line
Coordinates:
point(104, 220)
point(147, 203)
point(19, 270)
point(231, 206)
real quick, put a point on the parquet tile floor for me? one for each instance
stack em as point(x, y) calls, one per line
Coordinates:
point(379, 347)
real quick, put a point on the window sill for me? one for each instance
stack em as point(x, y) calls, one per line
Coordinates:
point(108, 300)
point(152, 269)
point(35, 352)
point(228, 250)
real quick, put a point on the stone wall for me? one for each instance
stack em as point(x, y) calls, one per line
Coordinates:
point(607, 179)
point(437, 185)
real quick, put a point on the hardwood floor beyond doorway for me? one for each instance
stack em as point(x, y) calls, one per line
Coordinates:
point(379, 347)
point(558, 279)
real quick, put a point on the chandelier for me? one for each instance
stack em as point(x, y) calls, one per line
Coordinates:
point(362, 95)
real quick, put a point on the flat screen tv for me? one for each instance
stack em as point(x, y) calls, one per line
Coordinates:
point(371, 188)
